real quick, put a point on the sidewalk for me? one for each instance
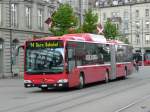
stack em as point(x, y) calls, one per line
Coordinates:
point(20, 76)
point(9, 82)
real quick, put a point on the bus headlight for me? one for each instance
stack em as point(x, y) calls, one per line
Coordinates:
point(27, 81)
point(62, 81)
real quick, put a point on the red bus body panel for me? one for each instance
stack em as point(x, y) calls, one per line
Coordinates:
point(48, 78)
point(147, 63)
point(121, 69)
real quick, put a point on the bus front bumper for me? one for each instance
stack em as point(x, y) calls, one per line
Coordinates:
point(57, 85)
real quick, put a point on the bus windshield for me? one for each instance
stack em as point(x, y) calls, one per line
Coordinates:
point(44, 59)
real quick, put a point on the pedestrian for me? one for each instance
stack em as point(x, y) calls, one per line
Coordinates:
point(136, 64)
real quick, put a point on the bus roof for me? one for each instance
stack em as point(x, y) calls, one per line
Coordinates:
point(85, 37)
point(82, 37)
point(76, 37)
point(117, 42)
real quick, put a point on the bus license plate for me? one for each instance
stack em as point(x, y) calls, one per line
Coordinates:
point(43, 85)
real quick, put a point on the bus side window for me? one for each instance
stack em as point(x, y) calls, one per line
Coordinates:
point(71, 59)
point(79, 56)
point(106, 53)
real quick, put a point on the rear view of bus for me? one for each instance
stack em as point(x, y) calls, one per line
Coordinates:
point(147, 59)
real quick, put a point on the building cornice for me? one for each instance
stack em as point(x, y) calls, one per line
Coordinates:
point(123, 5)
point(26, 31)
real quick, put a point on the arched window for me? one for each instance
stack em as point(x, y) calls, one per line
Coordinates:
point(15, 43)
point(1, 56)
point(1, 44)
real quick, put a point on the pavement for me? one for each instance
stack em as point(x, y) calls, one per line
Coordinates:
point(142, 105)
point(12, 89)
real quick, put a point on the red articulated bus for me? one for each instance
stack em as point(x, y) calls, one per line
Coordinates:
point(74, 60)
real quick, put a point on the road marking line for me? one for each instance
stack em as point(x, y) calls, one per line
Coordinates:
point(132, 104)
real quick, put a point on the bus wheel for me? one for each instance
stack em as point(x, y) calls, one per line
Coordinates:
point(81, 84)
point(125, 74)
point(44, 88)
point(106, 77)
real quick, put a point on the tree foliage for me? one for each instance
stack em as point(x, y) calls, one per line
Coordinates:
point(124, 39)
point(63, 19)
point(90, 22)
point(110, 30)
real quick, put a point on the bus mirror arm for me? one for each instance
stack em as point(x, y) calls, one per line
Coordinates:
point(66, 68)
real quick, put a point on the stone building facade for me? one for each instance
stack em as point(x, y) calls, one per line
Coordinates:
point(19, 21)
point(132, 18)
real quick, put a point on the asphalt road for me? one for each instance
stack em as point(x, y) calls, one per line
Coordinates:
point(130, 95)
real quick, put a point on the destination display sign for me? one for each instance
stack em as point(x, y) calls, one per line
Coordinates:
point(44, 44)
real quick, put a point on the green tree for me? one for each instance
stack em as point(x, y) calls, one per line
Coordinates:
point(124, 39)
point(63, 19)
point(110, 30)
point(90, 22)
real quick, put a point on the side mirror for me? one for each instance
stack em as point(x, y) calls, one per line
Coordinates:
point(18, 48)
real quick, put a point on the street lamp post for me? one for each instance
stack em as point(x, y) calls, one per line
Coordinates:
point(97, 4)
point(131, 20)
point(138, 24)
point(80, 12)
point(142, 49)
point(10, 38)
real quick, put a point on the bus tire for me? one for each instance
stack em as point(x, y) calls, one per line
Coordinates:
point(44, 88)
point(125, 73)
point(106, 77)
point(81, 83)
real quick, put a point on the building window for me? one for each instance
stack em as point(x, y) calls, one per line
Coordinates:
point(117, 14)
point(147, 39)
point(0, 14)
point(147, 25)
point(137, 39)
point(137, 25)
point(1, 55)
point(49, 12)
point(104, 16)
point(126, 1)
point(146, 12)
point(113, 14)
point(15, 43)
point(40, 19)
point(126, 26)
point(14, 15)
point(117, 25)
point(137, 13)
point(126, 15)
point(46, 0)
point(28, 17)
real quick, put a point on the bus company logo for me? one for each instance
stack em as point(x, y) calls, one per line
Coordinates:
point(91, 57)
point(43, 44)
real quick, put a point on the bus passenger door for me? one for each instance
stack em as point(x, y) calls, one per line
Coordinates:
point(120, 59)
point(73, 72)
point(113, 62)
